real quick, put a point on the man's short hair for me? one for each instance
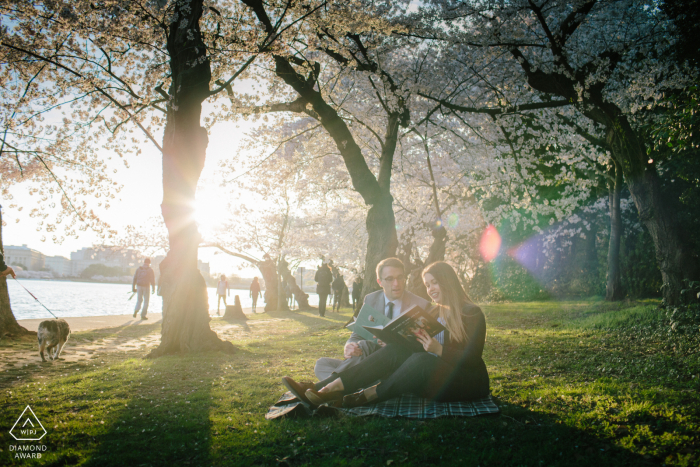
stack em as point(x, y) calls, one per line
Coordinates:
point(389, 262)
point(147, 260)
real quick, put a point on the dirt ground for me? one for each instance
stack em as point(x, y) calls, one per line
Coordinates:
point(93, 336)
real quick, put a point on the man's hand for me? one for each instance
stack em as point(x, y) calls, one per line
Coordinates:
point(133, 290)
point(380, 342)
point(352, 349)
point(8, 272)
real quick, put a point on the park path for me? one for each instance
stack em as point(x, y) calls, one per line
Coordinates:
point(102, 334)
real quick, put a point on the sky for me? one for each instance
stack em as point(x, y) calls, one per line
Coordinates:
point(139, 201)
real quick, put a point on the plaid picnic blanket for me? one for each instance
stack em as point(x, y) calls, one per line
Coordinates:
point(407, 406)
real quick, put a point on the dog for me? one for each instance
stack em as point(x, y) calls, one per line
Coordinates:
point(52, 335)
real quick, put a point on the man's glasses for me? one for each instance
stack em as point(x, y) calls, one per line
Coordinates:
point(392, 279)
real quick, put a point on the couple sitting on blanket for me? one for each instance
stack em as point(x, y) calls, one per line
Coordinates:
point(448, 369)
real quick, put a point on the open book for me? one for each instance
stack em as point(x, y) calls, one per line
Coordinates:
point(401, 329)
point(367, 316)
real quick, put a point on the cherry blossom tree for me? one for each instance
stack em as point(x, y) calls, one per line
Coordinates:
point(110, 64)
point(608, 60)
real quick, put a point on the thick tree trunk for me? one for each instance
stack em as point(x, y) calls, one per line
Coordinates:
point(673, 255)
point(675, 258)
point(382, 241)
point(8, 324)
point(269, 273)
point(613, 288)
point(436, 253)
point(301, 297)
point(282, 303)
point(185, 303)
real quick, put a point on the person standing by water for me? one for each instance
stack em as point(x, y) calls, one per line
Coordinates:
point(143, 278)
point(255, 292)
point(5, 270)
point(323, 277)
point(222, 291)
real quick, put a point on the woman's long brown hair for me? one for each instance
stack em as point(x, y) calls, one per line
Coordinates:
point(453, 296)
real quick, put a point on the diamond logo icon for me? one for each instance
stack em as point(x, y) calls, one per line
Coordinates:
point(28, 427)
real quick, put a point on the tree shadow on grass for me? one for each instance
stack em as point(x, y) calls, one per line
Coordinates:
point(330, 320)
point(166, 421)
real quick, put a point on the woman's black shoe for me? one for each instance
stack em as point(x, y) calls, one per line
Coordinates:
point(354, 400)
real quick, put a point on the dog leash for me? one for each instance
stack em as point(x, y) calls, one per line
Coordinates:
point(35, 298)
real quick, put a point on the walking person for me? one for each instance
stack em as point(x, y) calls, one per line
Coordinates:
point(255, 292)
point(323, 278)
point(222, 291)
point(338, 287)
point(143, 278)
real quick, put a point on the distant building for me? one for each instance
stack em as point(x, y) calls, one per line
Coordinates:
point(112, 256)
point(59, 265)
point(204, 269)
point(27, 258)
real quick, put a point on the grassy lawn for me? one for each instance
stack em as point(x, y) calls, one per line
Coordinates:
point(578, 383)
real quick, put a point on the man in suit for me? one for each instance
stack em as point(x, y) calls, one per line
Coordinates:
point(393, 299)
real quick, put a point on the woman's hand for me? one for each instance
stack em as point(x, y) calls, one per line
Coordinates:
point(429, 344)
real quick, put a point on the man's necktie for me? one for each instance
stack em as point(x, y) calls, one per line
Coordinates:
point(390, 312)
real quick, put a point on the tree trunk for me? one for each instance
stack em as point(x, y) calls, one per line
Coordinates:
point(185, 301)
point(282, 303)
point(269, 273)
point(436, 253)
point(375, 191)
point(8, 324)
point(673, 255)
point(613, 288)
point(381, 242)
point(301, 297)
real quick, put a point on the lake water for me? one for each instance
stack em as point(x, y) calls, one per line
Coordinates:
point(70, 299)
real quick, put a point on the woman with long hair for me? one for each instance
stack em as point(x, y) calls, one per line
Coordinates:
point(449, 368)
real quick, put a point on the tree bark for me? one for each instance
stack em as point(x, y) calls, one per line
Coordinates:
point(613, 288)
point(375, 191)
point(9, 327)
point(381, 242)
point(185, 302)
point(301, 297)
point(269, 273)
point(674, 257)
point(436, 253)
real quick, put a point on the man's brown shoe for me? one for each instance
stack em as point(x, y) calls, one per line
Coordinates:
point(354, 400)
point(318, 398)
point(298, 389)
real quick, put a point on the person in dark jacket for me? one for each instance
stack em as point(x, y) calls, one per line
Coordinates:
point(356, 292)
point(323, 277)
point(5, 270)
point(449, 368)
point(338, 289)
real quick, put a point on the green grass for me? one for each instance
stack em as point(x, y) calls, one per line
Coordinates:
point(579, 383)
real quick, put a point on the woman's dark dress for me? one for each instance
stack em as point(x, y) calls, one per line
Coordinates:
point(458, 375)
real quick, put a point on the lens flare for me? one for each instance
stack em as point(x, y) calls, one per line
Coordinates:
point(452, 220)
point(490, 243)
